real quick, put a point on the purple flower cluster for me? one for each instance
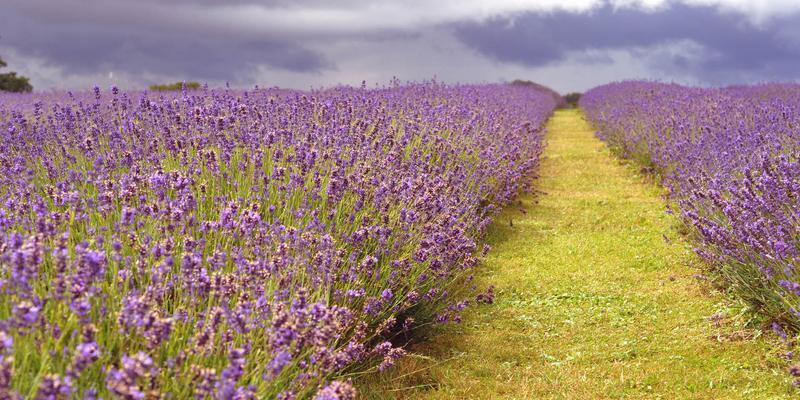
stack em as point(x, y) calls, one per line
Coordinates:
point(731, 161)
point(243, 244)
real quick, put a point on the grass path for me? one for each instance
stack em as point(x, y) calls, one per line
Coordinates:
point(598, 297)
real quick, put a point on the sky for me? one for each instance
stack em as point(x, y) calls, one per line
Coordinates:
point(569, 45)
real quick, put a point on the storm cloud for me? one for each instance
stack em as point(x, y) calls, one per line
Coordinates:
point(121, 38)
point(567, 44)
point(717, 44)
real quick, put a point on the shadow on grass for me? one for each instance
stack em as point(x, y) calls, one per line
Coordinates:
point(438, 345)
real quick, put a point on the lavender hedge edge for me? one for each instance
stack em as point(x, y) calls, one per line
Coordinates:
point(729, 159)
point(244, 244)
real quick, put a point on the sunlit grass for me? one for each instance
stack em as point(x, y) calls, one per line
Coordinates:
point(599, 296)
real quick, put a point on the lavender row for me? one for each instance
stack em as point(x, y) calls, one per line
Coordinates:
point(243, 244)
point(729, 158)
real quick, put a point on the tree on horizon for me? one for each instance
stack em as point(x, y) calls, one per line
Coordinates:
point(10, 82)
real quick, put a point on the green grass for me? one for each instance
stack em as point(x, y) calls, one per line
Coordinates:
point(190, 85)
point(598, 297)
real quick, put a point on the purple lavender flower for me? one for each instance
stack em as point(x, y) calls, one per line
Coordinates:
point(26, 314)
point(337, 390)
point(126, 381)
point(53, 387)
point(299, 224)
point(227, 384)
point(278, 363)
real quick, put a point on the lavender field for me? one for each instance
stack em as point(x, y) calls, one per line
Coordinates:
point(399, 199)
point(729, 158)
point(271, 243)
point(244, 244)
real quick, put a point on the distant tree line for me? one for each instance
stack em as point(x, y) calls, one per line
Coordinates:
point(10, 82)
point(191, 85)
point(572, 98)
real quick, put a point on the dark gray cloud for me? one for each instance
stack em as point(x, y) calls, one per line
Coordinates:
point(731, 44)
point(567, 44)
point(109, 38)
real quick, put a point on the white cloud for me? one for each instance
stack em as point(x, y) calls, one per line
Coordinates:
point(355, 17)
point(438, 54)
point(410, 14)
point(759, 11)
point(347, 33)
point(346, 18)
point(44, 75)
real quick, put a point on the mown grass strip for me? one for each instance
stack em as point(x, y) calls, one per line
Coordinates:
point(598, 297)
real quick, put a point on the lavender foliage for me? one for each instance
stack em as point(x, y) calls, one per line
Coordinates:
point(243, 244)
point(730, 160)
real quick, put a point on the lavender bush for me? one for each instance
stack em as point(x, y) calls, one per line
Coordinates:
point(729, 158)
point(243, 244)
